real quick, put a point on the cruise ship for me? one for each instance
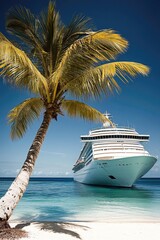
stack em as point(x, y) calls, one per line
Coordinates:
point(113, 156)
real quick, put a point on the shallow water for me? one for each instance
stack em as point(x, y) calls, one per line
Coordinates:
point(66, 200)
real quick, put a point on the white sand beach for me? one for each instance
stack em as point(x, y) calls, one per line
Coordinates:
point(90, 230)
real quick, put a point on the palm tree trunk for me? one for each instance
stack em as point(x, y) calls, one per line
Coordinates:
point(10, 200)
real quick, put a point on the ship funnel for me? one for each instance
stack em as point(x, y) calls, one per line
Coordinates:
point(107, 123)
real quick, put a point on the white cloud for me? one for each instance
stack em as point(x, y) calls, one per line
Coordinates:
point(53, 153)
point(154, 171)
point(49, 173)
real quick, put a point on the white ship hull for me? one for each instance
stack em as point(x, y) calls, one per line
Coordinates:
point(122, 172)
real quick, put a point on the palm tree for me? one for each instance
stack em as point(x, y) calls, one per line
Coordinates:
point(56, 63)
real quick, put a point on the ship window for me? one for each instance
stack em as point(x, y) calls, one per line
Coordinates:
point(112, 177)
point(115, 136)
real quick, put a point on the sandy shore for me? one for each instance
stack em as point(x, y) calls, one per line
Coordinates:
point(90, 230)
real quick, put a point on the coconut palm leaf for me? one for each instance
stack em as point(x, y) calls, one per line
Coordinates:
point(95, 47)
point(23, 115)
point(25, 25)
point(63, 37)
point(51, 34)
point(43, 34)
point(21, 22)
point(19, 70)
point(57, 37)
point(100, 79)
point(85, 52)
point(82, 110)
point(77, 28)
point(46, 33)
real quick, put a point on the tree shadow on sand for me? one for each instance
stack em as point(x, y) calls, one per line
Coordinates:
point(57, 227)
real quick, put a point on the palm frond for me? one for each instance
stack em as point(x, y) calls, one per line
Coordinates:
point(67, 35)
point(77, 28)
point(21, 22)
point(56, 36)
point(96, 46)
point(84, 111)
point(24, 114)
point(51, 25)
point(51, 34)
point(19, 70)
point(104, 78)
point(85, 52)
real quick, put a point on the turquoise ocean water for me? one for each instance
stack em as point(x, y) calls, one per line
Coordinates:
point(49, 199)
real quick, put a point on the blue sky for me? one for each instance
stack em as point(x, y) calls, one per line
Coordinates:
point(137, 105)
